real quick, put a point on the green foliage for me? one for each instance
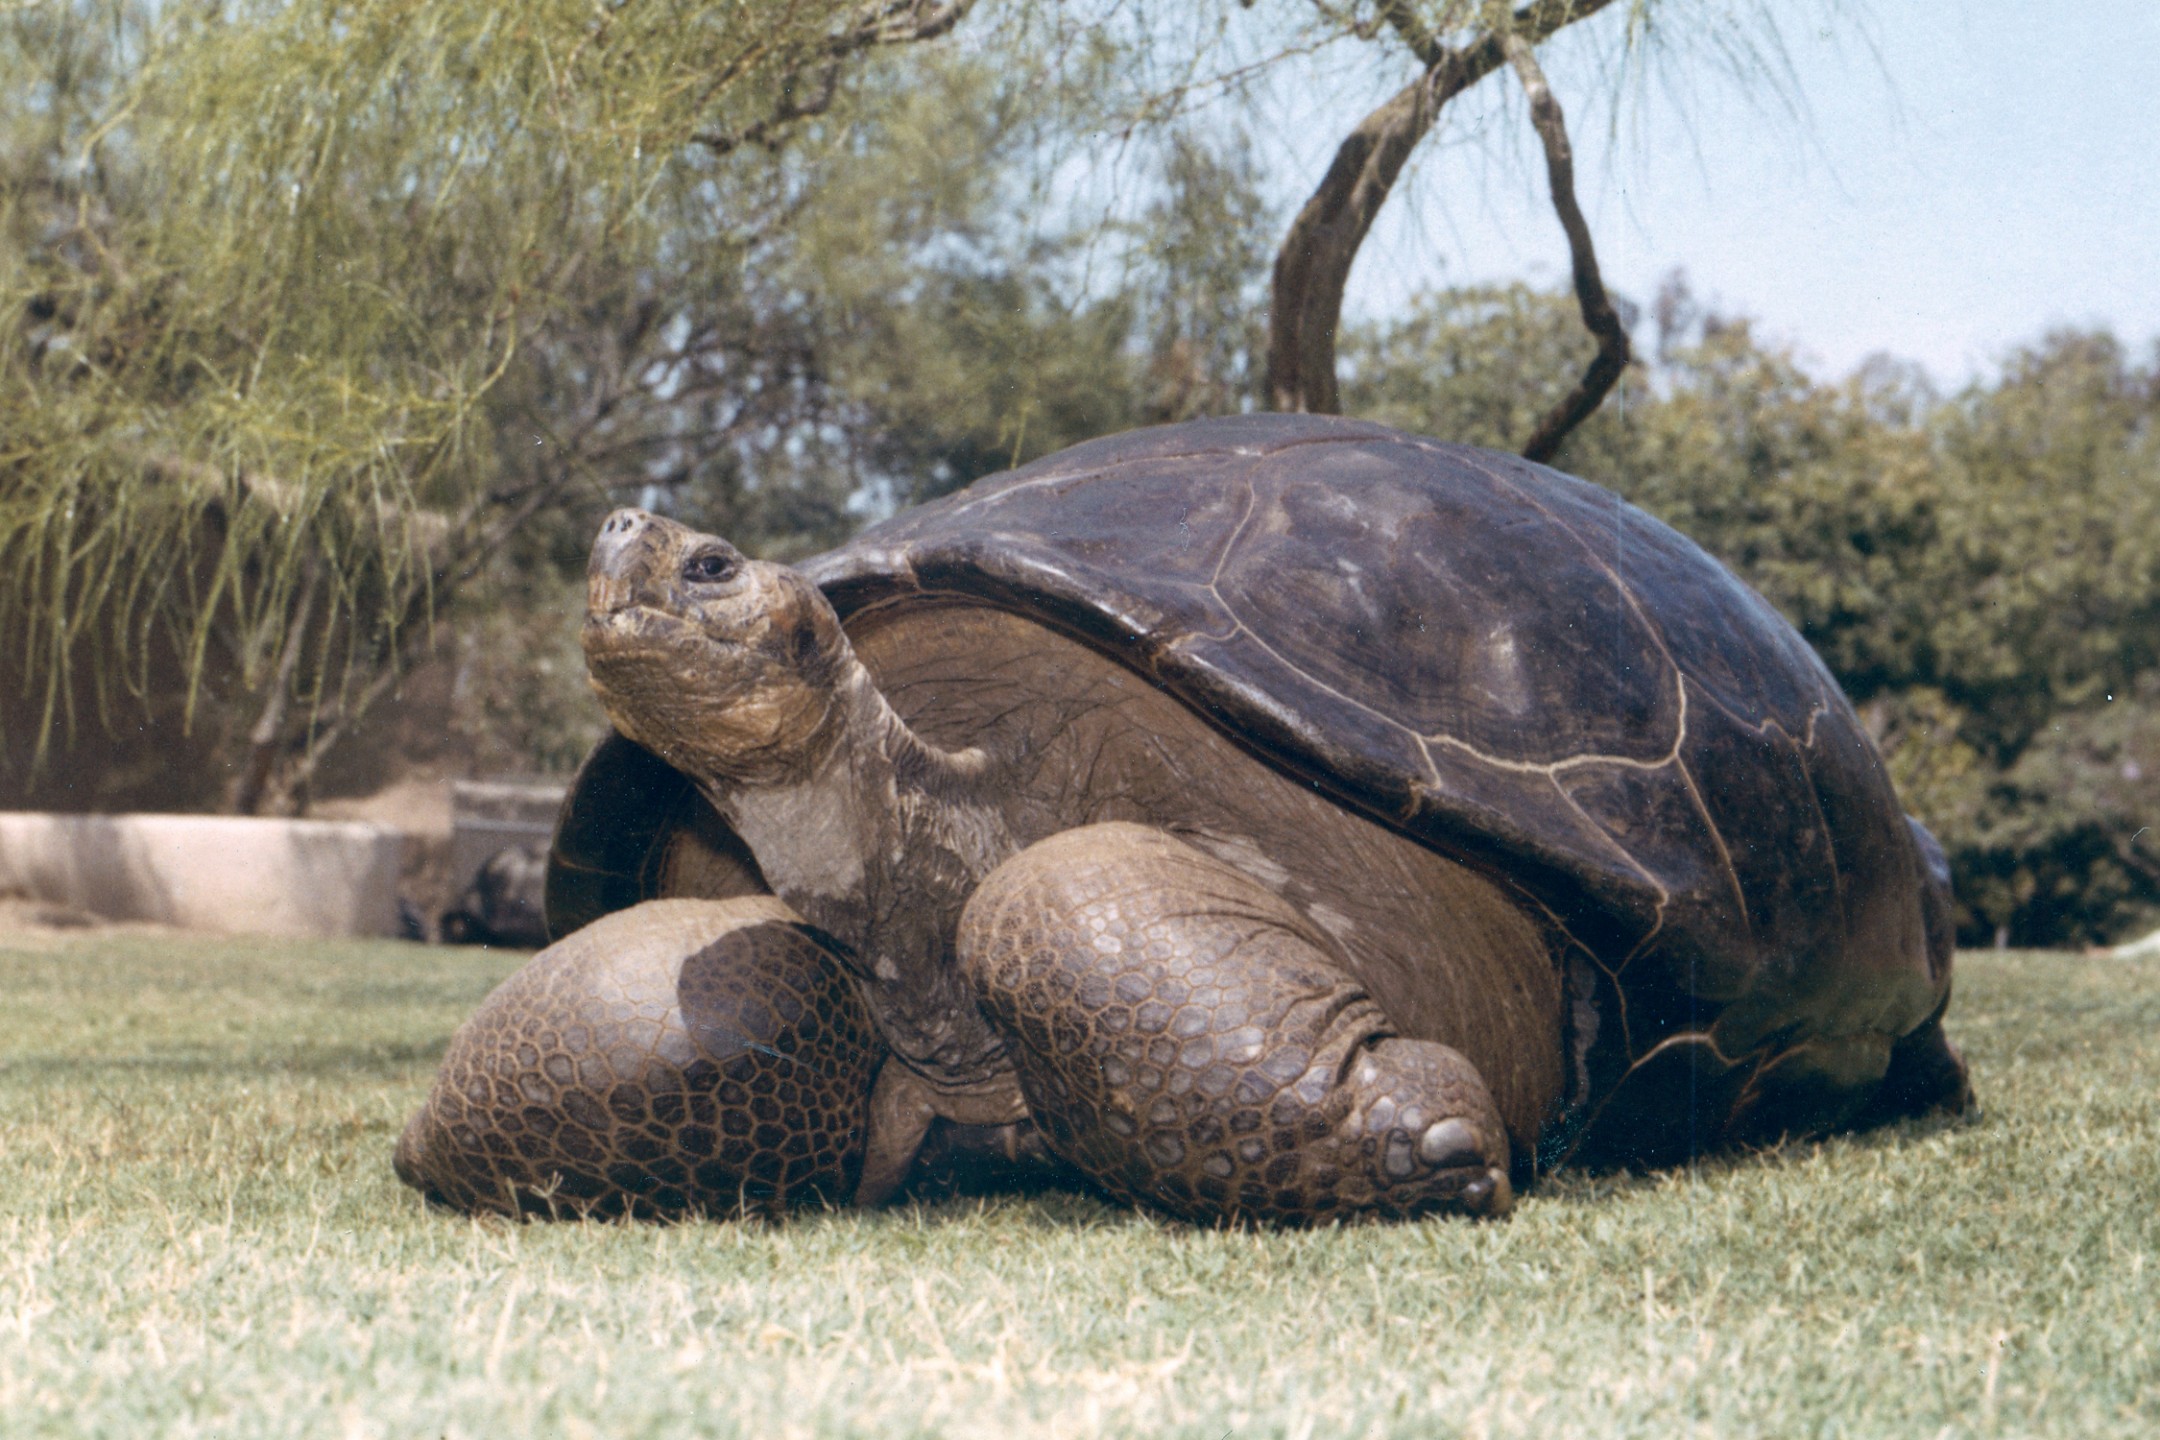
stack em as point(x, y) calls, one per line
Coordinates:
point(1981, 572)
point(317, 313)
point(1479, 366)
point(310, 305)
point(972, 322)
point(1205, 246)
point(520, 690)
point(2055, 474)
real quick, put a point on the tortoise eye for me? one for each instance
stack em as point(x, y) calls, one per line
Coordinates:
point(709, 568)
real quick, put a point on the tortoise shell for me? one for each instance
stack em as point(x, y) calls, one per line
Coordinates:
point(1506, 664)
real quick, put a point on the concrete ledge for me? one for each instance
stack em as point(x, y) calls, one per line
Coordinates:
point(2144, 948)
point(219, 873)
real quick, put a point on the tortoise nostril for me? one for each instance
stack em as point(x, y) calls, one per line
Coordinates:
point(618, 549)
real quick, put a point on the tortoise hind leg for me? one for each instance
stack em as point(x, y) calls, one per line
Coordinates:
point(1926, 1074)
point(677, 1056)
point(1186, 1041)
point(1851, 1082)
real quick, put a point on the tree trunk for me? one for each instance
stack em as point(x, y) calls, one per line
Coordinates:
point(1599, 317)
point(268, 736)
point(1314, 262)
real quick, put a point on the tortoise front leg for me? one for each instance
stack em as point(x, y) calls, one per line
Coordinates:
point(680, 1055)
point(1186, 1040)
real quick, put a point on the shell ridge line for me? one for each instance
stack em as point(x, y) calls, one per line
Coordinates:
point(1350, 435)
point(1241, 628)
point(1595, 1113)
point(1095, 471)
point(1717, 836)
point(1657, 926)
point(1770, 729)
point(1760, 727)
point(1751, 1090)
point(1664, 895)
point(1553, 919)
point(1612, 1092)
point(1432, 767)
point(1704, 1038)
point(1211, 589)
point(1059, 477)
point(1517, 766)
point(1553, 768)
point(1237, 533)
point(1820, 708)
point(1763, 728)
point(1829, 834)
point(1627, 592)
point(1641, 947)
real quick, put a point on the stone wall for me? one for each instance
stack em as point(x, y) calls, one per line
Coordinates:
point(208, 872)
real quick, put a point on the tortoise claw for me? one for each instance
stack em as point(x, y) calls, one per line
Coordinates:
point(1450, 1145)
point(1489, 1196)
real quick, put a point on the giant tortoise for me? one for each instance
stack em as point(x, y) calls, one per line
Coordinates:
point(1279, 818)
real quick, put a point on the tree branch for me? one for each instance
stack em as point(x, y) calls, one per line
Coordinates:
point(884, 22)
point(785, 112)
point(1598, 315)
point(2127, 852)
point(901, 22)
point(268, 736)
point(1313, 265)
point(324, 732)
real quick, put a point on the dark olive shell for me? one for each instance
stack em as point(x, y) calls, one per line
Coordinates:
point(1502, 662)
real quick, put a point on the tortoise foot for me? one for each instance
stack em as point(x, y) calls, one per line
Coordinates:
point(1186, 1041)
point(680, 1056)
point(1420, 1112)
point(1926, 1075)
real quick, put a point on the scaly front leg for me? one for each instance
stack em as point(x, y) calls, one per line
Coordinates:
point(677, 1056)
point(1187, 1041)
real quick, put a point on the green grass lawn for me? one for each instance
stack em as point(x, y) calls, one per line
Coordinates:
point(200, 1235)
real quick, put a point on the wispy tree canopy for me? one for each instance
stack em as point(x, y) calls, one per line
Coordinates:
point(284, 280)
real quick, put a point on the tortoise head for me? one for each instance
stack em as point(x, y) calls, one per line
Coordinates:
point(726, 667)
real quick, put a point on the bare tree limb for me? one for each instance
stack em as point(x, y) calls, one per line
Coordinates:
point(2127, 851)
point(323, 732)
point(268, 736)
point(884, 22)
point(901, 22)
point(785, 112)
point(1313, 265)
point(1598, 315)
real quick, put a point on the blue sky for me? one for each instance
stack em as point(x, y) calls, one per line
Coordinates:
point(1964, 176)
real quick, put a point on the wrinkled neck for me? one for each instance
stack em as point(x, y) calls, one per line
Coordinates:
point(879, 841)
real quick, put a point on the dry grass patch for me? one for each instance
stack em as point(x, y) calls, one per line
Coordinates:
point(200, 1235)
